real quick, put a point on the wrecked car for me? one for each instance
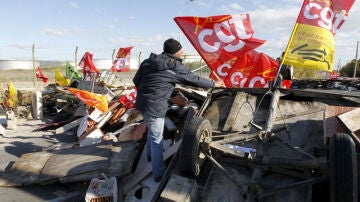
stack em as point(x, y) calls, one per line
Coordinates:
point(274, 145)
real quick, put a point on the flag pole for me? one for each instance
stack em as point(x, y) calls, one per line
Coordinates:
point(288, 45)
point(285, 54)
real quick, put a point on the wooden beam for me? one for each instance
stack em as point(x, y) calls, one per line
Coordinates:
point(68, 126)
point(141, 174)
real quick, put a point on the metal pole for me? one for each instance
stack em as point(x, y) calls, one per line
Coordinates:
point(76, 50)
point(139, 59)
point(357, 47)
point(112, 57)
point(33, 60)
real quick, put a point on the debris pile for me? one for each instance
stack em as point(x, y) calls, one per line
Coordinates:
point(110, 134)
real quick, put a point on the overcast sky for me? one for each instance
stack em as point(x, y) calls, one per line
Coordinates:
point(56, 27)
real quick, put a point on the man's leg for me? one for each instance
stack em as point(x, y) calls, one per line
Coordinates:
point(155, 137)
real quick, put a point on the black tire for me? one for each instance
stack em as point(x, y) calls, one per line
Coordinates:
point(343, 169)
point(196, 138)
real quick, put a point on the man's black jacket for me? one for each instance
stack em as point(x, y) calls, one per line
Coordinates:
point(155, 82)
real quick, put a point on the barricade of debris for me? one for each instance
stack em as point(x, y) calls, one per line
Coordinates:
point(110, 141)
point(347, 84)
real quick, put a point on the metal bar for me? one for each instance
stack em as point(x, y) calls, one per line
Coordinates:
point(272, 110)
point(235, 137)
point(290, 186)
point(228, 150)
point(242, 187)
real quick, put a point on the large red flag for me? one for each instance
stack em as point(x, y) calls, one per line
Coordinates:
point(311, 44)
point(122, 61)
point(40, 75)
point(87, 64)
point(222, 42)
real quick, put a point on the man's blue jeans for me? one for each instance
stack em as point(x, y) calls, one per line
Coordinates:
point(154, 144)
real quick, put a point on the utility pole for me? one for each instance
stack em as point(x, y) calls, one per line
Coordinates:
point(357, 47)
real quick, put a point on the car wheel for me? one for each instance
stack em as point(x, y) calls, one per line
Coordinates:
point(196, 138)
point(343, 169)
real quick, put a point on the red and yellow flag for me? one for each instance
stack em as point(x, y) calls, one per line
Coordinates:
point(91, 99)
point(311, 44)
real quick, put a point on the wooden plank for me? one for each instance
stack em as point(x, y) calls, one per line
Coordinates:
point(332, 124)
point(179, 188)
point(26, 170)
point(76, 161)
point(351, 119)
point(141, 174)
point(68, 126)
point(68, 165)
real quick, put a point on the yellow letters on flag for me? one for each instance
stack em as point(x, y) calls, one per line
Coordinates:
point(60, 79)
point(91, 99)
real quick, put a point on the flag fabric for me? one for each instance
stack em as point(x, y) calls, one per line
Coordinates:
point(226, 44)
point(334, 75)
point(60, 79)
point(71, 72)
point(311, 44)
point(87, 64)
point(122, 61)
point(40, 75)
point(128, 100)
point(98, 101)
point(251, 70)
point(12, 99)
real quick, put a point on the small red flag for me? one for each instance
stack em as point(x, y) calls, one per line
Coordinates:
point(128, 100)
point(87, 64)
point(39, 74)
point(122, 61)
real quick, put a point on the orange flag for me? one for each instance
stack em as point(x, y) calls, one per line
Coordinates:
point(91, 99)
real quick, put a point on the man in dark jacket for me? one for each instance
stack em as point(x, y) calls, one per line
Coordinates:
point(155, 82)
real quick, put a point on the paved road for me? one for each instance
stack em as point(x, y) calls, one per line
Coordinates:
point(24, 140)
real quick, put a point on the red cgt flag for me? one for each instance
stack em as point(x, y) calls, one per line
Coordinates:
point(122, 61)
point(251, 69)
point(40, 75)
point(220, 40)
point(87, 64)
